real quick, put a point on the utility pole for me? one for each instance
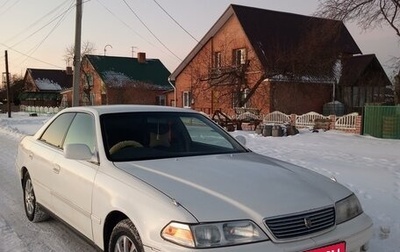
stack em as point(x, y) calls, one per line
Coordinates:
point(77, 54)
point(8, 86)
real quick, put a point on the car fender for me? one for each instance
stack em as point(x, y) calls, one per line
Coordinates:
point(111, 184)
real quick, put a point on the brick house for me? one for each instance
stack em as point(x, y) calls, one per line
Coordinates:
point(123, 80)
point(265, 60)
point(43, 87)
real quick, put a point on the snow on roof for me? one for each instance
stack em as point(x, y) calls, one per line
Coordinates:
point(116, 79)
point(304, 79)
point(46, 84)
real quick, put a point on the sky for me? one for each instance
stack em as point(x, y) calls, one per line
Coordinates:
point(37, 33)
point(368, 166)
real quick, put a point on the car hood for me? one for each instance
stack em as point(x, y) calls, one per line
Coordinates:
point(237, 186)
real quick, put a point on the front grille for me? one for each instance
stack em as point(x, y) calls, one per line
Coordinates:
point(296, 225)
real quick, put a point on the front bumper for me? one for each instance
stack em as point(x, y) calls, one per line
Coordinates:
point(356, 233)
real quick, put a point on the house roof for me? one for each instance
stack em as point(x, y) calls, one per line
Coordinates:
point(44, 96)
point(268, 29)
point(354, 68)
point(50, 79)
point(152, 71)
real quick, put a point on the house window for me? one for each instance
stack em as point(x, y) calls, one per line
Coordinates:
point(239, 56)
point(356, 96)
point(239, 97)
point(244, 95)
point(217, 60)
point(186, 99)
point(64, 101)
point(89, 81)
point(92, 98)
point(161, 100)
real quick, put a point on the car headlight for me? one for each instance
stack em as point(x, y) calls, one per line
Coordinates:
point(213, 234)
point(347, 209)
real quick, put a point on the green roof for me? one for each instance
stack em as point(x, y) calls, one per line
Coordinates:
point(47, 96)
point(119, 69)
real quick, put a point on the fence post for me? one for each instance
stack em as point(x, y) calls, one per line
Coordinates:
point(358, 124)
point(332, 123)
point(293, 120)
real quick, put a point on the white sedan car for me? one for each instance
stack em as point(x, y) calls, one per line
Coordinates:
point(152, 178)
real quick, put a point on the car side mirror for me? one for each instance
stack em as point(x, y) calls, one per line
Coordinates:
point(241, 139)
point(78, 152)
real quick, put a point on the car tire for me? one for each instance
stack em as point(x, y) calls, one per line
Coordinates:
point(125, 237)
point(33, 210)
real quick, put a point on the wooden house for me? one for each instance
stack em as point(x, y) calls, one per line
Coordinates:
point(363, 81)
point(42, 87)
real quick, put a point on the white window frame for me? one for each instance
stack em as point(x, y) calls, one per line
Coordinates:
point(162, 100)
point(186, 99)
point(239, 56)
point(217, 60)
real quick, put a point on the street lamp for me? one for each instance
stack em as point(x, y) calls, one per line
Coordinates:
point(105, 48)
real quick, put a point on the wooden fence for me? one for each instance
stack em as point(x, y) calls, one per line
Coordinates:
point(40, 109)
point(350, 123)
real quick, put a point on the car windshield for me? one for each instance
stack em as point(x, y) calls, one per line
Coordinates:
point(155, 135)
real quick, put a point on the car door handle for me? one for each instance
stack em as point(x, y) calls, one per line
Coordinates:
point(30, 156)
point(56, 169)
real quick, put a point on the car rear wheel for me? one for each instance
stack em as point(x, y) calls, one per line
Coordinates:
point(125, 237)
point(32, 210)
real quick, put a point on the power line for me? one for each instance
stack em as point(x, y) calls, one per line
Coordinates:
point(36, 22)
point(62, 18)
point(176, 22)
point(14, 50)
point(12, 5)
point(5, 3)
point(124, 23)
point(148, 29)
point(59, 20)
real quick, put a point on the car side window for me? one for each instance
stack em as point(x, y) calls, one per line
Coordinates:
point(56, 131)
point(82, 131)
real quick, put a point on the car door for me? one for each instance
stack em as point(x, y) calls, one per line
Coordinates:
point(73, 180)
point(41, 154)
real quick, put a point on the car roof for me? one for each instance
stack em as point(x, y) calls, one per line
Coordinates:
point(125, 108)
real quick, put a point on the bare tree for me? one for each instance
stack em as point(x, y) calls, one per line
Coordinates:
point(367, 13)
point(87, 48)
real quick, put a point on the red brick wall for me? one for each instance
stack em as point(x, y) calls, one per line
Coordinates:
point(115, 95)
point(207, 99)
point(286, 97)
point(130, 95)
point(299, 98)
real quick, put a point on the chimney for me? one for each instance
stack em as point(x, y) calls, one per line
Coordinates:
point(141, 56)
point(68, 70)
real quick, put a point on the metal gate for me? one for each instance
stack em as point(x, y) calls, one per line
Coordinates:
point(382, 121)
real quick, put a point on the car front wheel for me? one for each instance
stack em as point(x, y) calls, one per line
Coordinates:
point(125, 237)
point(32, 210)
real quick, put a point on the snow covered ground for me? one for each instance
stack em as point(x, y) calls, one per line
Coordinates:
point(368, 166)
